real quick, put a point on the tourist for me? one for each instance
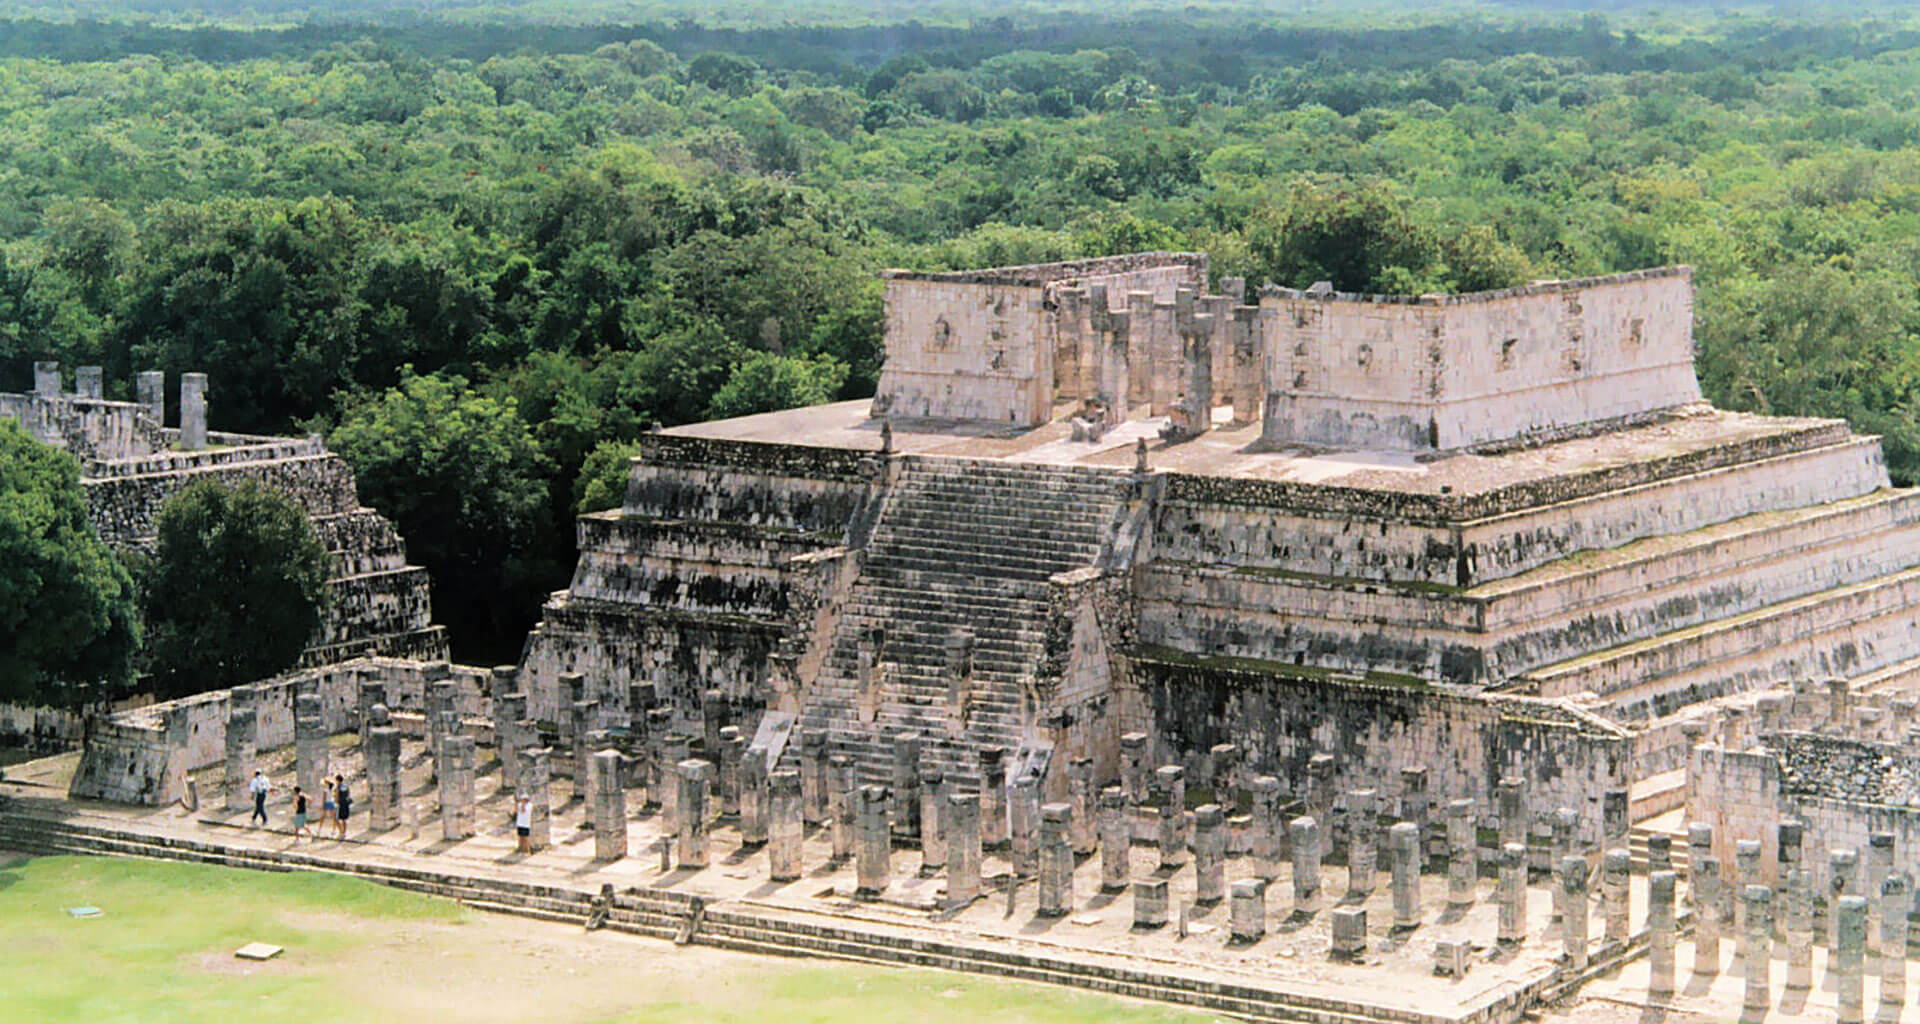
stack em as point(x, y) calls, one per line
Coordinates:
point(300, 814)
point(259, 787)
point(327, 809)
point(343, 801)
point(523, 822)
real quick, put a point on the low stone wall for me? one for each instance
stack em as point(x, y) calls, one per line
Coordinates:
point(1466, 742)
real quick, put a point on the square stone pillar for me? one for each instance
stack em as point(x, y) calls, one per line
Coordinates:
point(1799, 928)
point(1565, 821)
point(1150, 903)
point(151, 387)
point(1414, 803)
point(383, 776)
point(609, 806)
point(46, 380)
point(309, 743)
point(1513, 894)
point(1080, 793)
point(193, 411)
point(1403, 849)
point(933, 819)
point(905, 812)
point(536, 783)
point(786, 825)
point(582, 719)
point(732, 746)
point(1209, 854)
point(1573, 911)
point(842, 799)
point(1659, 852)
point(1849, 958)
point(510, 737)
point(1512, 795)
point(1892, 960)
point(753, 797)
point(1268, 827)
point(1349, 932)
point(88, 382)
point(242, 736)
point(1170, 800)
point(963, 849)
point(1056, 860)
point(674, 748)
point(1304, 834)
point(1116, 839)
point(715, 715)
point(456, 786)
point(1134, 766)
point(872, 862)
point(692, 813)
point(813, 775)
point(1247, 910)
point(1874, 873)
point(1660, 934)
point(1614, 826)
point(1758, 961)
point(1615, 867)
point(1704, 879)
point(1363, 841)
point(993, 797)
point(1023, 824)
point(1463, 868)
point(1320, 788)
point(1746, 871)
point(371, 693)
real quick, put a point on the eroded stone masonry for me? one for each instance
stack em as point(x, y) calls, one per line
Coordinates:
point(1473, 586)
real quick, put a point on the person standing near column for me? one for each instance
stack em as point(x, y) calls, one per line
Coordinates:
point(259, 787)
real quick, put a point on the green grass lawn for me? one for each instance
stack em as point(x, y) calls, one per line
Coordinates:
point(163, 953)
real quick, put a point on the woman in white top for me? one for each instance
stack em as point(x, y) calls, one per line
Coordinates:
point(523, 822)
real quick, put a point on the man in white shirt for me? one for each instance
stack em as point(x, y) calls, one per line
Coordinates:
point(259, 787)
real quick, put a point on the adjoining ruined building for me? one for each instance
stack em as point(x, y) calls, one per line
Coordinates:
point(1492, 534)
point(130, 464)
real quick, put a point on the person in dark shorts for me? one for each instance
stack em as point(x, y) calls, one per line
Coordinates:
point(523, 823)
point(300, 813)
point(343, 801)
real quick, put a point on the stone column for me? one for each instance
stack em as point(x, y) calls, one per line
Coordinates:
point(536, 781)
point(1660, 933)
point(873, 864)
point(1564, 823)
point(1150, 903)
point(581, 721)
point(1894, 901)
point(1170, 799)
point(993, 797)
point(1614, 869)
point(46, 380)
point(1403, 848)
point(1209, 854)
point(1320, 788)
point(383, 773)
point(151, 386)
point(963, 849)
point(1512, 792)
point(674, 748)
point(1023, 825)
point(1247, 910)
point(732, 747)
point(842, 801)
point(193, 411)
point(1843, 869)
point(242, 735)
point(905, 812)
point(753, 797)
point(1614, 826)
point(456, 786)
point(1363, 842)
point(1268, 827)
point(1573, 910)
point(1463, 871)
point(88, 382)
point(1304, 834)
point(1116, 839)
point(1080, 793)
point(813, 775)
point(933, 819)
point(1758, 962)
point(692, 812)
point(369, 693)
point(1874, 873)
point(1849, 952)
point(1513, 894)
point(1413, 803)
point(1056, 860)
point(713, 718)
point(508, 739)
point(1660, 852)
point(609, 807)
point(1799, 929)
point(786, 825)
point(1349, 932)
point(309, 743)
point(1746, 871)
point(439, 701)
point(1133, 766)
point(665, 748)
point(1704, 879)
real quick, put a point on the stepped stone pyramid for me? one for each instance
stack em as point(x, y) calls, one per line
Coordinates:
point(1471, 536)
point(130, 464)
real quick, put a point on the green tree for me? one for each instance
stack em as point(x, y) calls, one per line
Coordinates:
point(764, 382)
point(234, 590)
point(602, 483)
point(67, 606)
point(463, 479)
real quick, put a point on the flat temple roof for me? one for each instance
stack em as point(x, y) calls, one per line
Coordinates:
point(1037, 274)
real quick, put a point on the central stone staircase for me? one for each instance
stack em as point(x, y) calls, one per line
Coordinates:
point(962, 548)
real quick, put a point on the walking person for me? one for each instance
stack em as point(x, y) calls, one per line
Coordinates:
point(300, 814)
point(327, 809)
point(523, 822)
point(259, 786)
point(343, 803)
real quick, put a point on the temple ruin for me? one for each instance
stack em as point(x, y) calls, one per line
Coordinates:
point(1279, 641)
